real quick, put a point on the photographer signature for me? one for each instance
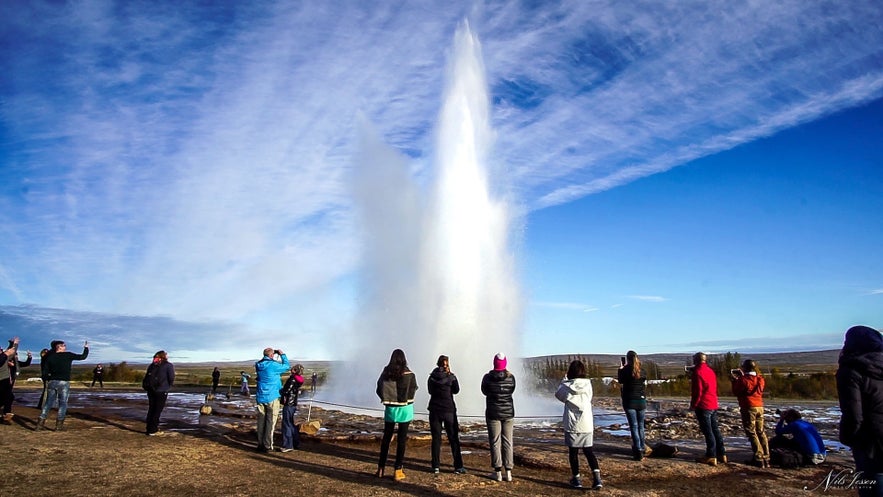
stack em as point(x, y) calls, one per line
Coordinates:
point(843, 480)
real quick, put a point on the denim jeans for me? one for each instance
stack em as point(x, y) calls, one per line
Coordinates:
point(500, 430)
point(290, 435)
point(636, 427)
point(58, 389)
point(714, 442)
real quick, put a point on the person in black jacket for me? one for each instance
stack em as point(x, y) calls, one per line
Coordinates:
point(44, 375)
point(442, 386)
point(98, 375)
point(216, 379)
point(158, 381)
point(498, 385)
point(58, 370)
point(634, 402)
point(290, 392)
point(396, 387)
point(860, 388)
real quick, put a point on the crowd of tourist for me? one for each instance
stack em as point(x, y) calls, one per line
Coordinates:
point(796, 441)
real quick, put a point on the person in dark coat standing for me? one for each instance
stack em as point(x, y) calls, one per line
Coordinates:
point(860, 388)
point(442, 386)
point(158, 381)
point(634, 402)
point(98, 375)
point(44, 375)
point(7, 378)
point(216, 379)
point(290, 392)
point(498, 385)
point(396, 387)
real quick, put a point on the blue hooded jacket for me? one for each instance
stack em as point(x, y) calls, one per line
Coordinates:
point(269, 378)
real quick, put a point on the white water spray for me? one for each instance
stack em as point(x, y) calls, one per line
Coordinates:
point(438, 274)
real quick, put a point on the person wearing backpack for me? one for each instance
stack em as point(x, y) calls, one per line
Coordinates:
point(157, 382)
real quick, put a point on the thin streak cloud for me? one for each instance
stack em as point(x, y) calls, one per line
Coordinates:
point(196, 160)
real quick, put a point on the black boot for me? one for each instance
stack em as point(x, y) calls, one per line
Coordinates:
point(41, 423)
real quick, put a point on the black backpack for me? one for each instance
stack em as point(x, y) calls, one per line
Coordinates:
point(786, 458)
point(151, 379)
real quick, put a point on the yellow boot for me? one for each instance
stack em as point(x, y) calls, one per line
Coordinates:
point(399, 475)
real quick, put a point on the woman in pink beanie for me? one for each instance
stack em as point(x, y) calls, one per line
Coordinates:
point(498, 386)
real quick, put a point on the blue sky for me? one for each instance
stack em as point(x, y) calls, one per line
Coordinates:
point(691, 175)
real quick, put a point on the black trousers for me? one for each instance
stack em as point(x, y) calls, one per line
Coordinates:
point(6, 395)
point(573, 458)
point(401, 440)
point(448, 422)
point(156, 403)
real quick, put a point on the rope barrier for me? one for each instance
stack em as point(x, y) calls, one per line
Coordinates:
point(376, 409)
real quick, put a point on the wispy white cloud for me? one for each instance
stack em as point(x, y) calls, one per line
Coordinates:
point(878, 291)
point(572, 306)
point(196, 161)
point(648, 298)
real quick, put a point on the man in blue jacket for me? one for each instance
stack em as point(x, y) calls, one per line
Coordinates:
point(269, 373)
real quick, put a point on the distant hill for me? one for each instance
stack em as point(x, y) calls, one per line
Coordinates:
point(786, 362)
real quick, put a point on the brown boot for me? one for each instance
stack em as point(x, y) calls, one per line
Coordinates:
point(7, 418)
point(41, 423)
point(399, 475)
point(59, 425)
point(711, 461)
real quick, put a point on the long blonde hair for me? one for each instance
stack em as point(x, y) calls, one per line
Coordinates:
point(632, 358)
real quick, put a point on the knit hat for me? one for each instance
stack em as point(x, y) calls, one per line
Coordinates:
point(500, 362)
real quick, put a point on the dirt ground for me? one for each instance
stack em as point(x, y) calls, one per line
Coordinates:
point(101, 453)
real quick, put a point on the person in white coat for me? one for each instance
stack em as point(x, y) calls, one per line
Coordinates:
point(576, 393)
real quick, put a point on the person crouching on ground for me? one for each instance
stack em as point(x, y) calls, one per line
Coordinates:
point(443, 385)
point(576, 393)
point(157, 382)
point(634, 402)
point(268, 384)
point(703, 401)
point(396, 388)
point(805, 439)
point(498, 385)
point(748, 387)
point(290, 393)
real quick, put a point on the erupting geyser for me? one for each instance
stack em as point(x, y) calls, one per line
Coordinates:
point(438, 269)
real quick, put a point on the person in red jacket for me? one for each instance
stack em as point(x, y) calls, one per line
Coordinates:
point(703, 401)
point(748, 387)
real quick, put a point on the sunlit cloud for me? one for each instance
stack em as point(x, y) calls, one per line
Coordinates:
point(196, 162)
point(571, 306)
point(648, 298)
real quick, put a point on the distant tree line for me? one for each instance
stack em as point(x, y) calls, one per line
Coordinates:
point(548, 371)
